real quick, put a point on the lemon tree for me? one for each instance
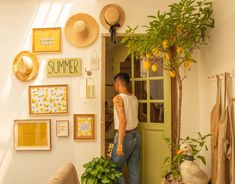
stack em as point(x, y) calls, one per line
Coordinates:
point(172, 37)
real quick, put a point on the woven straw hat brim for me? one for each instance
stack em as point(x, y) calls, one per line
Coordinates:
point(121, 18)
point(79, 40)
point(35, 68)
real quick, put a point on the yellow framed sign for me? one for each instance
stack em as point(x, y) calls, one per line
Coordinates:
point(48, 99)
point(84, 126)
point(58, 67)
point(32, 134)
point(46, 39)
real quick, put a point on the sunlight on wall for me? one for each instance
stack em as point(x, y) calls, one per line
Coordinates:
point(7, 87)
point(46, 14)
point(53, 15)
point(41, 72)
point(5, 160)
point(64, 14)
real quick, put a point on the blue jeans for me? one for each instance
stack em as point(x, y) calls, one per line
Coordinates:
point(131, 149)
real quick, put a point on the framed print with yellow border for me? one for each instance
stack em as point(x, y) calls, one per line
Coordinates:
point(84, 126)
point(32, 134)
point(48, 99)
point(46, 39)
point(62, 128)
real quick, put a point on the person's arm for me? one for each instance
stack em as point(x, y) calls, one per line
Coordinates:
point(119, 106)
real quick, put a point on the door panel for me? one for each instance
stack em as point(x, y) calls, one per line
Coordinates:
point(152, 154)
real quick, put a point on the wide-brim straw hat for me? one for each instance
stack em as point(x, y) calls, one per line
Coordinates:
point(81, 30)
point(112, 14)
point(25, 66)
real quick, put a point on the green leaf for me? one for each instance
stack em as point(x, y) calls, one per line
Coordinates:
point(202, 158)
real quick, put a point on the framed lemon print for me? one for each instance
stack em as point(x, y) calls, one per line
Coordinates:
point(46, 39)
point(32, 134)
point(84, 126)
point(48, 99)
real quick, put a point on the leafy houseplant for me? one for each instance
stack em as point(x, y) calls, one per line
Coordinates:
point(171, 37)
point(173, 165)
point(100, 171)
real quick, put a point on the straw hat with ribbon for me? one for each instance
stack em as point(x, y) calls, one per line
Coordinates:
point(112, 17)
point(81, 30)
point(25, 66)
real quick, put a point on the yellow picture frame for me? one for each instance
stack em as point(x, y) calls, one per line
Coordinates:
point(32, 134)
point(48, 99)
point(46, 39)
point(84, 126)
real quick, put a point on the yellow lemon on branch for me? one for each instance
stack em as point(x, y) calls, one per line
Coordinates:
point(172, 74)
point(167, 56)
point(146, 64)
point(154, 67)
point(179, 50)
point(165, 44)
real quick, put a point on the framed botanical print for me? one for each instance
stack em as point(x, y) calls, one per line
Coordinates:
point(46, 39)
point(48, 99)
point(62, 128)
point(32, 134)
point(84, 126)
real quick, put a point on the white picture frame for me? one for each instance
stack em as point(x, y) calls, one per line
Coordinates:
point(62, 128)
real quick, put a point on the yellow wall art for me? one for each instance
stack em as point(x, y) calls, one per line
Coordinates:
point(58, 67)
point(84, 126)
point(32, 134)
point(48, 99)
point(46, 39)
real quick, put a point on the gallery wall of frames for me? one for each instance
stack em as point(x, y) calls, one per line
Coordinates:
point(54, 99)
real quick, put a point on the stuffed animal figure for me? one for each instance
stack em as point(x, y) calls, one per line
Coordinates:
point(189, 170)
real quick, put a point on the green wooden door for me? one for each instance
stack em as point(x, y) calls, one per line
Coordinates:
point(154, 95)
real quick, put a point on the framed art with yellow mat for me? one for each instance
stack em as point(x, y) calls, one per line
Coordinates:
point(46, 39)
point(32, 134)
point(84, 126)
point(48, 99)
point(25, 66)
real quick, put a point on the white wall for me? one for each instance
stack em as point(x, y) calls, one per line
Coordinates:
point(16, 19)
point(217, 57)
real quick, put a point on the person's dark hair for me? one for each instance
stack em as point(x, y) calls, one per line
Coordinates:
point(123, 77)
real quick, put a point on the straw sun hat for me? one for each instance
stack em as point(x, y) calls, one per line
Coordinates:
point(25, 66)
point(81, 30)
point(112, 14)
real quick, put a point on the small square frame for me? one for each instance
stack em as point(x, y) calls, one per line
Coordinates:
point(62, 128)
point(84, 126)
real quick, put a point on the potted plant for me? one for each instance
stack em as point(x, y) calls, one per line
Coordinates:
point(100, 171)
point(171, 38)
point(171, 167)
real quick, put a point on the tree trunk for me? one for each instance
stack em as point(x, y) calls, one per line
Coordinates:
point(179, 104)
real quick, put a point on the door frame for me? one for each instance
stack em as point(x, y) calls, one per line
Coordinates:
point(104, 36)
